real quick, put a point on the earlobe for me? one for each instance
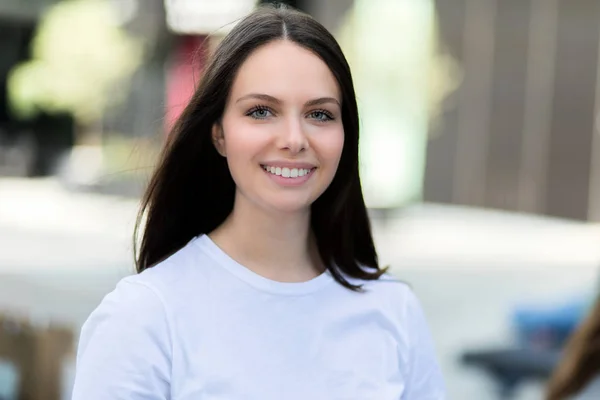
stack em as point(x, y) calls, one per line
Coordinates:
point(218, 139)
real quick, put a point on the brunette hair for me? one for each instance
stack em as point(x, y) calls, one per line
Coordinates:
point(192, 192)
point(580, 362)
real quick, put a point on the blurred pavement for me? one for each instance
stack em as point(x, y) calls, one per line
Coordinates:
point(60, 251)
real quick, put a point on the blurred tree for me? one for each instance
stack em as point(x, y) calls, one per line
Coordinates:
point(401, 78)
point(81, 60)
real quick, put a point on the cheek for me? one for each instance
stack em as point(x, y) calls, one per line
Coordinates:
point(331, 147)
point(243, 142)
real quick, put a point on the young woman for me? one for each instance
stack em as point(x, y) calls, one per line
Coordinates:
point(258, 277)
point(577, 376)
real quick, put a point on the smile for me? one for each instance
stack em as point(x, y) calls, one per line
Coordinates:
point(288, 172)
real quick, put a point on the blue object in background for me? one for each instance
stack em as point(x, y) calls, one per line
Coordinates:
point(9, 381)
point(547, 327)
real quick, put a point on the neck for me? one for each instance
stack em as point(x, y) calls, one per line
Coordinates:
point(278, 246)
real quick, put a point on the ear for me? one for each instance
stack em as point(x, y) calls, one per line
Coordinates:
point(218, 138)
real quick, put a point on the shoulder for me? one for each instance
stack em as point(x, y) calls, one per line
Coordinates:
point(401, 298)
point(390, 290)
point(424, 377)
point(147, 298)
point(125, 346)
point(131, 306)
point(396, 299)
point(184, 271)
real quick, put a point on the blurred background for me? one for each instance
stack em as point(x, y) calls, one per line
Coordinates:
point(480, 162)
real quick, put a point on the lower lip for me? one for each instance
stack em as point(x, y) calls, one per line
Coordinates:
point(291, 182)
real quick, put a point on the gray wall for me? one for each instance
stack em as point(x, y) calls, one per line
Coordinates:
point(518, 133)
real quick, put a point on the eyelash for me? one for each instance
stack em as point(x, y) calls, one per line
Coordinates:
point(327, 114)
point(258, 108)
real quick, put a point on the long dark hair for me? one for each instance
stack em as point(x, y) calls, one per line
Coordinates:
point(580, 363)
point(192, 192)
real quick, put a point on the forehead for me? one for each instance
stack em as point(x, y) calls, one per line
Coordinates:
point(283, 68)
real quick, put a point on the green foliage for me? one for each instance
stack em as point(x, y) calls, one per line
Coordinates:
point(81, 62)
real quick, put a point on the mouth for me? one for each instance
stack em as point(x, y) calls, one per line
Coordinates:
point(290, 173)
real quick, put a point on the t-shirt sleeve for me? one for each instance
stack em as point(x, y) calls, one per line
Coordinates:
point(124, 351)
point(425, 381)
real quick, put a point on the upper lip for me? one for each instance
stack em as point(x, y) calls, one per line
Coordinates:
point(288, 164)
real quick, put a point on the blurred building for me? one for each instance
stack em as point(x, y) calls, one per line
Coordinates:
point(520, 133)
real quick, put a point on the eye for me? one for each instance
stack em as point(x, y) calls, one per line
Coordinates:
point(259, 112)
point(321, 115)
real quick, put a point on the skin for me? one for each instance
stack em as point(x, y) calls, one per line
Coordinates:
point(283, 110)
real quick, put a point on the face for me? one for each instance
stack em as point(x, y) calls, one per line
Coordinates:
point(281, 130)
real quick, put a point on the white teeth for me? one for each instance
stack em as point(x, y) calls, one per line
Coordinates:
point(287, 172)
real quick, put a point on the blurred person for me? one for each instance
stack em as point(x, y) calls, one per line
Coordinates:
point(577, 376)
point(257, 273)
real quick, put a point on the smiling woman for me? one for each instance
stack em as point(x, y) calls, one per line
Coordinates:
point(258, 276)
point(289, 122)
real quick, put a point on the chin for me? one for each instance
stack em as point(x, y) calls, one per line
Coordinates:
point(290, 208)
point(288, 205)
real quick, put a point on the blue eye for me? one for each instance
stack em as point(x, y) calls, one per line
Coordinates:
point(321, 115)
point(259, 112)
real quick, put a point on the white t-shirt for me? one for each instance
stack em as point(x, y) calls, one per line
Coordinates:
point(200, 326)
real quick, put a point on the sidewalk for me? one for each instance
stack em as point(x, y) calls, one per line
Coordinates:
point(60, 252)
point(42, 225)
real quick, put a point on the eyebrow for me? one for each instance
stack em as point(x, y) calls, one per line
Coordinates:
point(274, 100)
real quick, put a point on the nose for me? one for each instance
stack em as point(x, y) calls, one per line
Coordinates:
point(293, 137)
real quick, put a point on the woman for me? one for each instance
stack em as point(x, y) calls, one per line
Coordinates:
point(577, 376)
point(258, 276)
